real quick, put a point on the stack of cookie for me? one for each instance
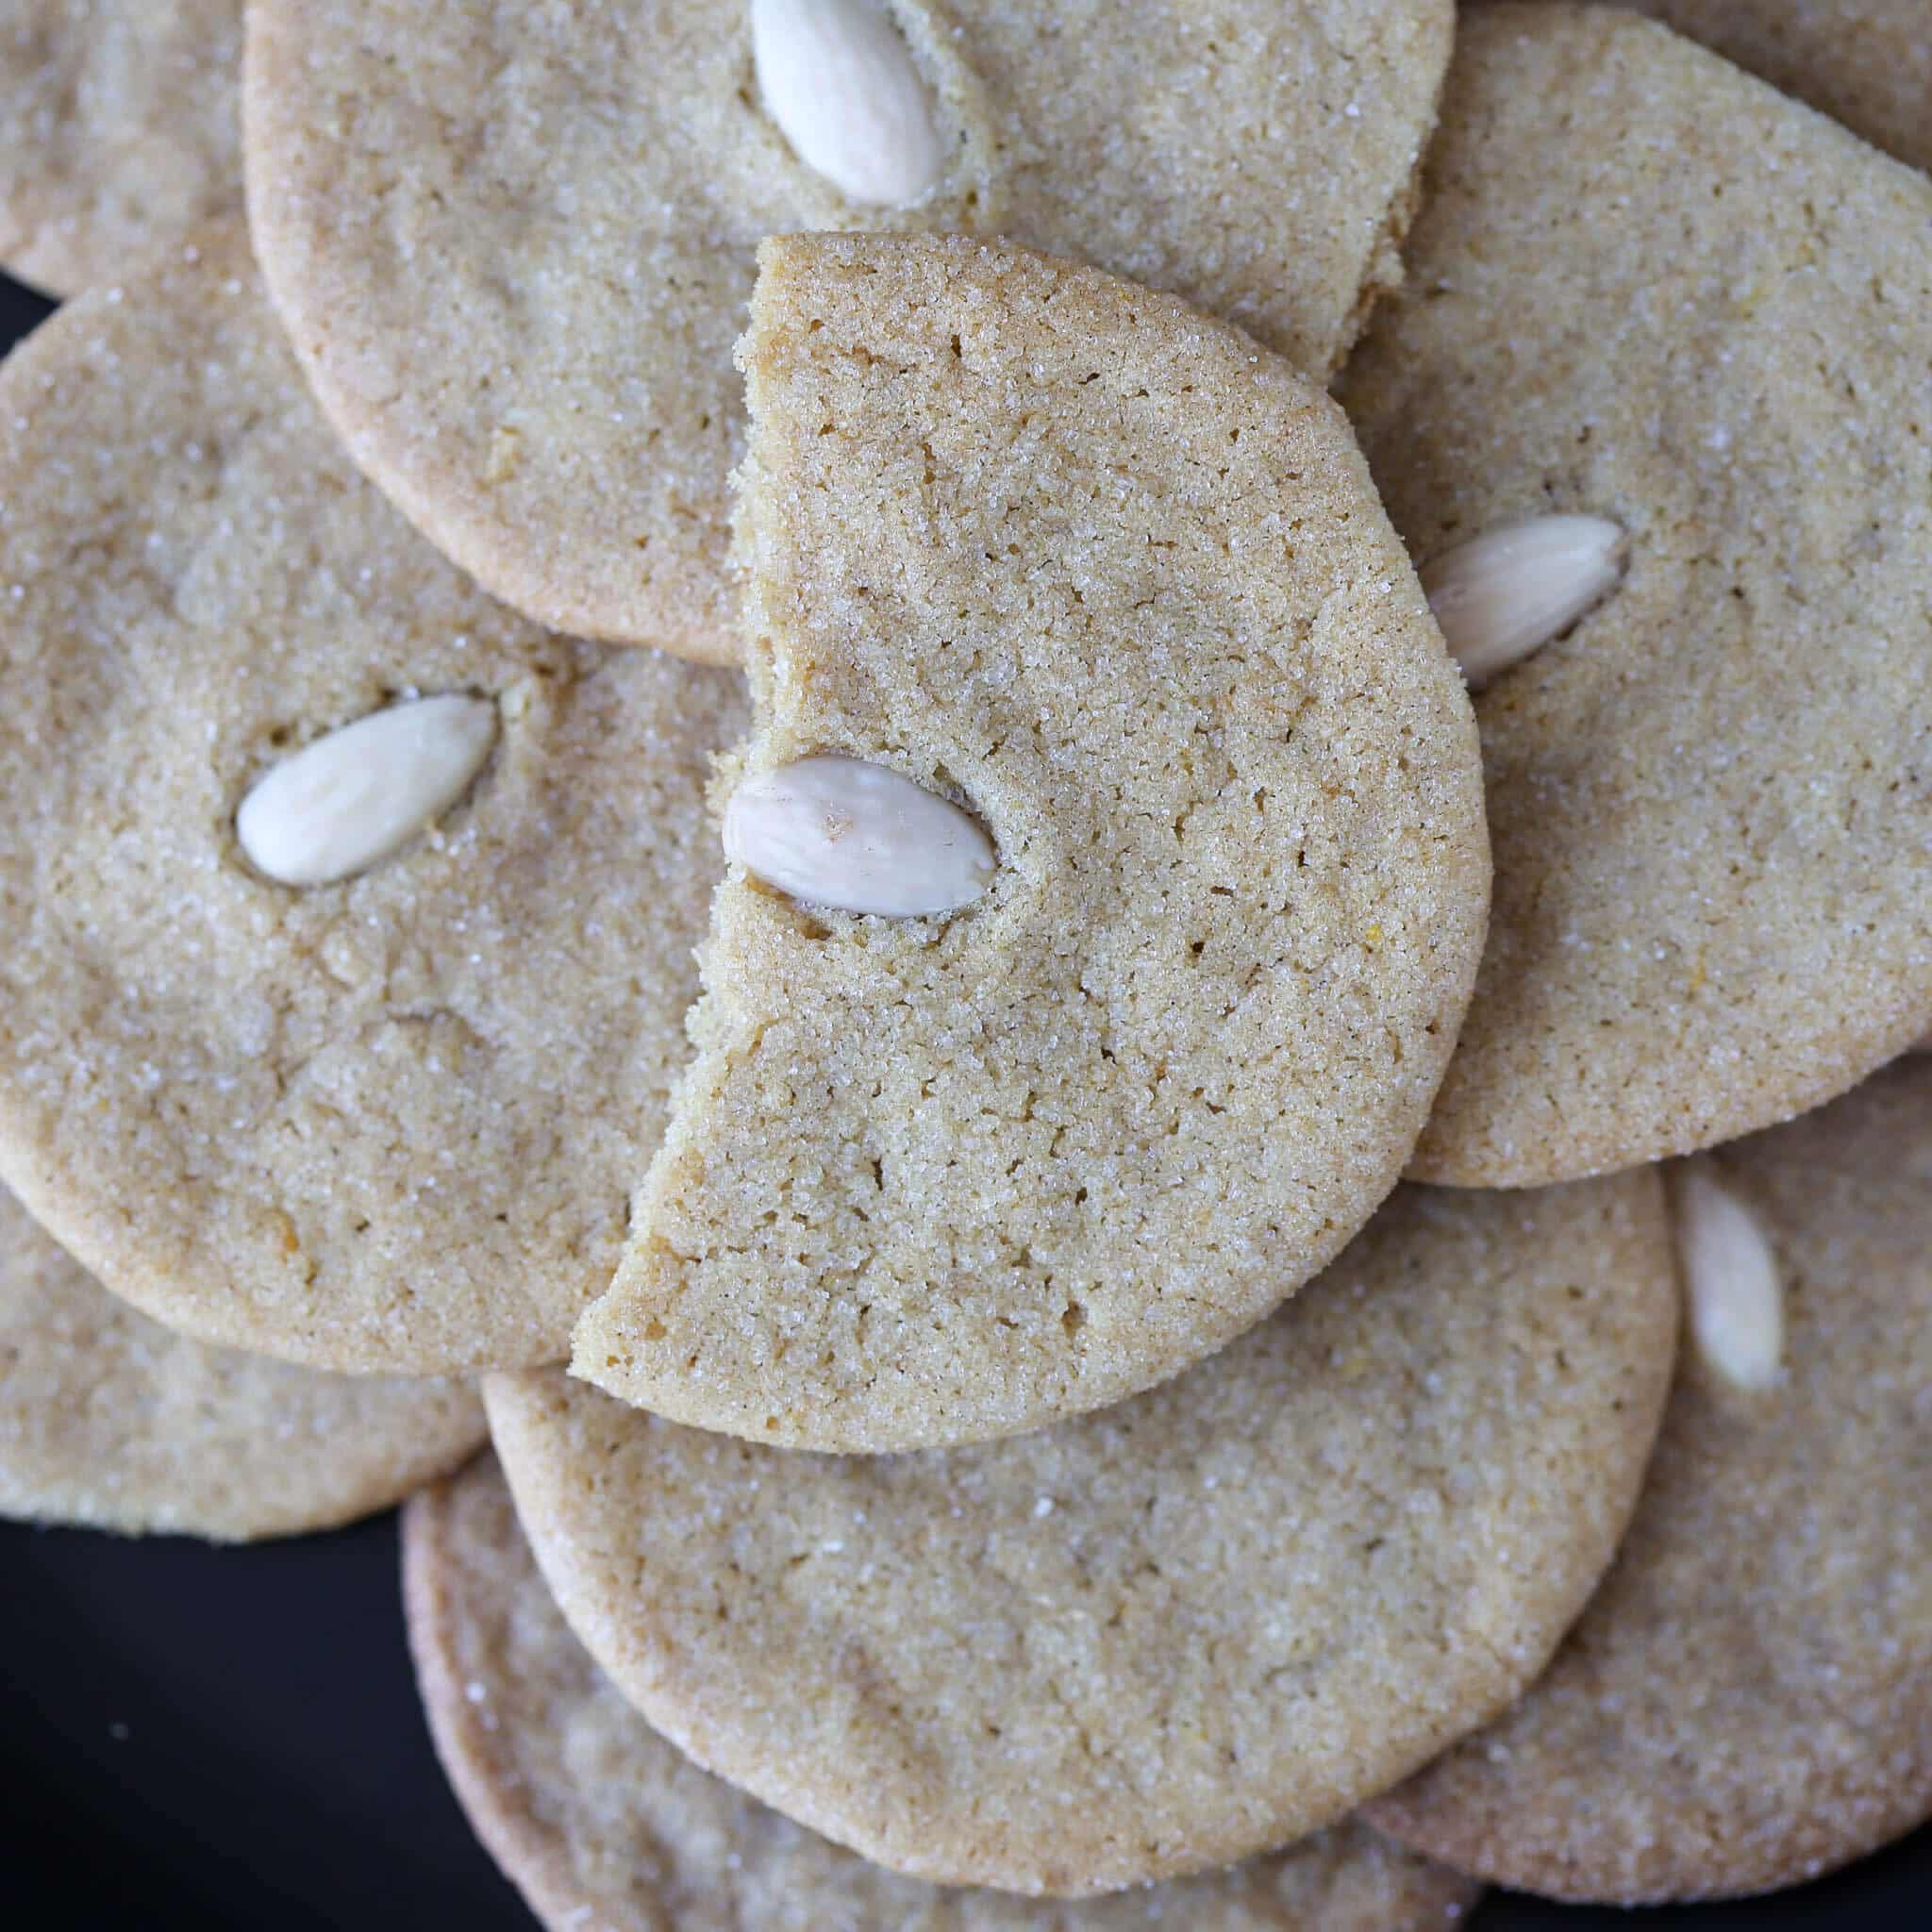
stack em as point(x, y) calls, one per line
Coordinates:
point(722, 731)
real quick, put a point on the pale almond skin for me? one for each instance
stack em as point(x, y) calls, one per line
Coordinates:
point(855, 836)
point(1730, 1278)
point(1505, 594)
point(839, 79)
point(354, 797)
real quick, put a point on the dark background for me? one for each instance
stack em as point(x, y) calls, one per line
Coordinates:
point(230, 1739)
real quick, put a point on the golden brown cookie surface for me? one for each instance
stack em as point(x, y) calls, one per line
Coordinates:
point(1867, 64)
point(387, 1124)
point(514, 242)
point(1747, 1701)
point(601, 1823)
point(123, 122)
point(1193, 1626)
point(1648, 288)
point(1069, 554)
point(108, 1420)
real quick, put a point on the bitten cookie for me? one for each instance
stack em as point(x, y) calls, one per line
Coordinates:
point(123, 122)
point(1098, 597)
point(1198, 1625)
point(108, 1419)
point(383, 1120)
point(514, 242)
point(1648, 288)
point(1865, 63)
point(600, 1823)
point(1748, 1699)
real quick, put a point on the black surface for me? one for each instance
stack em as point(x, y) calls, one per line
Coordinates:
point(227, 1737)
point(230, 1739)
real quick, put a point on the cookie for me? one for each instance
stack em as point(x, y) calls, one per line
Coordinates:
point(1070, 556)
point(123, 124)
point(1648, 288)
point(108, 1419)
point(513, 243)
point(1196, 1626)
point(1865, 63)
point(387, 1124)
point(1748, 1699)
point(599, 1821)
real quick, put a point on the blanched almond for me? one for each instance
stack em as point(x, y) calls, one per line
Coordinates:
point(1508, 592)
point(841, 833)
point(1731, 1279)
point(839, 79)
point(339, 805)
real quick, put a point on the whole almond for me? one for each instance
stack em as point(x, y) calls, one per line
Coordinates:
point(853, 837)
point(839, 79)
point(1730, 1277)
point(1508, 592)
point(337, 806)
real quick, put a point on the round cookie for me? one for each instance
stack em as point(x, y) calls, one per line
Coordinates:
point(1068, 553)
point(389, 1124)
point(123, 123)
point(1747, 1701)
point(599, 1821)
point(514, 242)
point(1865, 63)
point(108, 1419)
point(1647, 287)
point(1198, 1625)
